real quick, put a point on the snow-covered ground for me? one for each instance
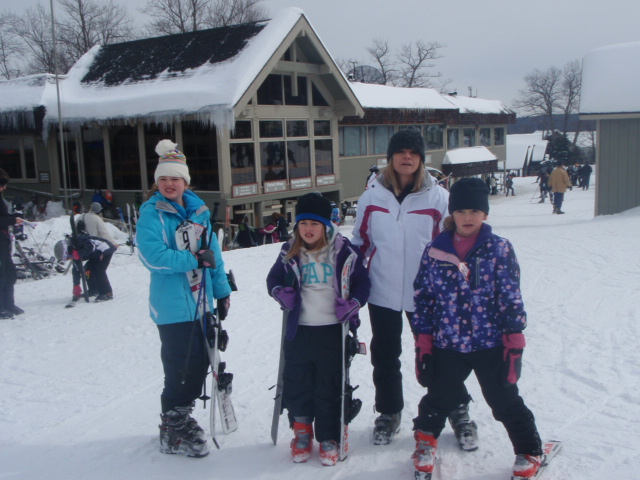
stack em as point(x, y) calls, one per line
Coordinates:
point(80, 388)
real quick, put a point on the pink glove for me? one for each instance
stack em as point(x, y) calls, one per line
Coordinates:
point(285, 296)
point(514, 344)
point(347, 311)
point(75, 255)
point(77, 291)
point(424, 369)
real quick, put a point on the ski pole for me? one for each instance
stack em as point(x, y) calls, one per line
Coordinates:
point(43, 241)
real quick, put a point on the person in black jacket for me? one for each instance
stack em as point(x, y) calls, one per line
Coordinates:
point(8, 276)
point(98, 252)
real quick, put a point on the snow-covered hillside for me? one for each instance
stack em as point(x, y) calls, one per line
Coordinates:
point(80, 388)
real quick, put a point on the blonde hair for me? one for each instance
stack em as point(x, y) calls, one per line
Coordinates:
point(389, 178)
point(298, 243)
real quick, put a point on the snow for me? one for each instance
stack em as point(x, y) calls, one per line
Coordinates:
point(520, 145)
point(457, 156)
point(385, 96)
point(80, 387)
point(609, 80)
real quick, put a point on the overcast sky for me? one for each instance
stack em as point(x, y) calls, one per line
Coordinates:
point(490, 44)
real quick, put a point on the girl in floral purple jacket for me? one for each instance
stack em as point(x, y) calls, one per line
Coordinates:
point(469, 316)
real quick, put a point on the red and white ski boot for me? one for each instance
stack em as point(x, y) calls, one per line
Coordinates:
point(302, 443)
point(526, 466)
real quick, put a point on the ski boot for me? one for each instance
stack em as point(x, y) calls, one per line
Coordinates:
point(179, 433)
point(385, 428)
point(424, 457)
point(526, 466)
point(6, 315)
point(302, 443)
point(15, 310)
point(329, 453)
point(103, 297)
point(466, 431)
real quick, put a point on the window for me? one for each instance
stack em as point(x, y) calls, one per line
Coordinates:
point(498, 136)
point(125, 158)
point(324, 157)
point(153, 133)
point(452, 138)
point(201, 149)
point(297, 128)
point(242, 130)
point(270, 92)
point(485, 137)
point(242, 163)
point(469, 137)
point(317, 98)
point(272, 161)
point(379, 139)
point(353, 141)
point(434, 137)
point(71, 166)
point(322, 128)
point(299, 158)
point(301, 97)
point(95, 169)
point(271, 129)
point(17, 157)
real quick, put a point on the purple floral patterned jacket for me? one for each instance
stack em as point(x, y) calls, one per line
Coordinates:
point(467, 306)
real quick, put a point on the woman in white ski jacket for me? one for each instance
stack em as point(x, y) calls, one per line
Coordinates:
point(400, 212)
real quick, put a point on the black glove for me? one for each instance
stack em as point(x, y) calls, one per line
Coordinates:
point(424, 367)
point(206, 258)
point(223, 307)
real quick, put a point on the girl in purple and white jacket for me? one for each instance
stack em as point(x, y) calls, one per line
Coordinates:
point(307, 281)
point(469, 316)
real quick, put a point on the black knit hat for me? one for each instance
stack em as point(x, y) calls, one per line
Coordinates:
point(406, 138)
point(469, 193)
point(314, 206)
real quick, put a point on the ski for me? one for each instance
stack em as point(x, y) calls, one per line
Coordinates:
point(130, 240)
point(216, 338)
point(72, 303)
point(35, 274)
point(78, 263)
point(549, 451)
point(292, 277)
point(349, 406)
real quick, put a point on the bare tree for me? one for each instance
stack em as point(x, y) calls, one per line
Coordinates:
point(34, 28)
point(542, 94)
point(415, 62)
point(87, 23)
point(180, 16)
point(570, 88)
point(176, 16)
point(233, 12)
point(381, 53)
point(11, 48)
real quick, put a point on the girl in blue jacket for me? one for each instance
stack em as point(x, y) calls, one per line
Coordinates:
point(469, 316)
point(171, 303)
point(307, 281)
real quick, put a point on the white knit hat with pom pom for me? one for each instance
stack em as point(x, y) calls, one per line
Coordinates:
point(172, 162)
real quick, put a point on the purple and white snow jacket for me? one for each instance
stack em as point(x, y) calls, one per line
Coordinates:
point(358, 287)
point(467, 306)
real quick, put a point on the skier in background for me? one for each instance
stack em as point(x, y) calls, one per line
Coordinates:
point(171, 303)
point(482, 334)
point(312, 381)
point(97, 252)
point(8, 276)
point(94, 224)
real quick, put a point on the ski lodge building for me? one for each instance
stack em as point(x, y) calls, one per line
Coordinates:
point(610, 96)
point(261, 111)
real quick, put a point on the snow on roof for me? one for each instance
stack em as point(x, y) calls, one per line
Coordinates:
point(210, 90)
point(385, 96)
point(457, 156)
point(476, 105)
point(610, 80)
point(519, 146)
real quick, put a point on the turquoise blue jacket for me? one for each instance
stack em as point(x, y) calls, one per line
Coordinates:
point(170, 298)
